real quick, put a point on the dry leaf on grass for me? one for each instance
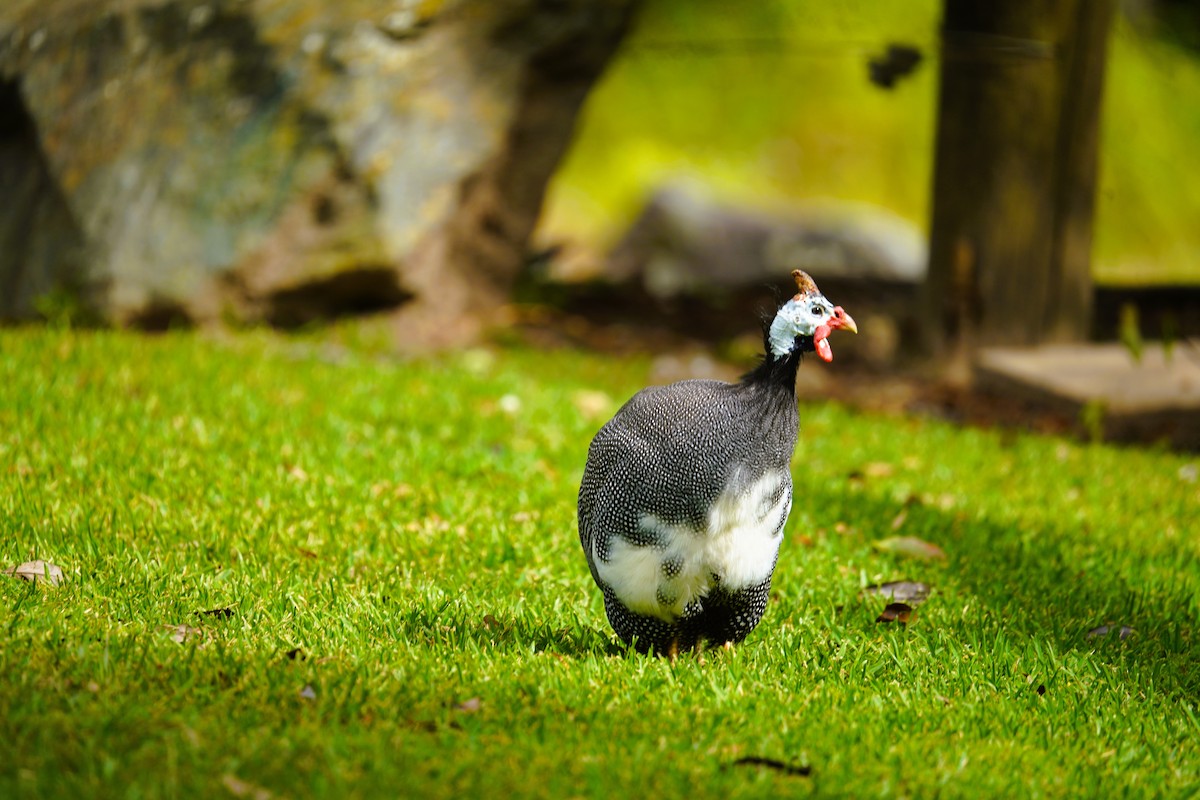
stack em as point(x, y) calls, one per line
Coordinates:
point(904, 597)
point(498, 627)
point(240, 788)
point(912, 547)
point(874, 469)
point(879, 469)
point(1123, 632)
point(470, 706)
point(801, 770)
point(896, 612)
point(37, 571)
point(182, 633)
point(911, 592)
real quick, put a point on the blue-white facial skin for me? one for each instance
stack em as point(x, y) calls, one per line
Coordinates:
point(800, 316)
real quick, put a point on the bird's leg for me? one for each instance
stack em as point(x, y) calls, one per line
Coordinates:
point(673, 650)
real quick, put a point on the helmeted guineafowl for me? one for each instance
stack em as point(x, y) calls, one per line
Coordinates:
point(687, 488)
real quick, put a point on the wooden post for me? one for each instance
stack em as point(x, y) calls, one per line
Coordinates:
point(1014, 178)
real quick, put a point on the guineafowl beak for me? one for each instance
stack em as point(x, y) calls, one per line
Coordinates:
point(843, 320)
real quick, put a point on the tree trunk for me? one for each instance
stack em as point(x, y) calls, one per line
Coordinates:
point(1014, 179)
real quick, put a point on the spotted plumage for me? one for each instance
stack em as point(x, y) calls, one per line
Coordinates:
point(687, 488)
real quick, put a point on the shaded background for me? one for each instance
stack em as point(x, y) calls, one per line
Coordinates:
point(959, 176)
point(773, 104)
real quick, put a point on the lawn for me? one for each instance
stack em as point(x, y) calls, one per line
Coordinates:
point(295, 566)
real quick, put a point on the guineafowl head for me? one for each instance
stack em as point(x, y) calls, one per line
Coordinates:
point(805, 321)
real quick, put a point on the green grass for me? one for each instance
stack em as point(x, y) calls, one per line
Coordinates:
point(409, 525)
point(769, 105)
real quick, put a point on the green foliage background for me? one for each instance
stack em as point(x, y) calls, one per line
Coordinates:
point(769, 104)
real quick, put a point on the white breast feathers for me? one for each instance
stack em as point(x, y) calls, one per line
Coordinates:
point(737, 547)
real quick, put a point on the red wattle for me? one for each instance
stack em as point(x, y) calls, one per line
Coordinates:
point(821, 343)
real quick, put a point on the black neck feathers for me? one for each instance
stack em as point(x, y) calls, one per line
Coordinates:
point(779, 372)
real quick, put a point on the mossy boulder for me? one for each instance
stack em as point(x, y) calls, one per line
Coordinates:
point(283, 159)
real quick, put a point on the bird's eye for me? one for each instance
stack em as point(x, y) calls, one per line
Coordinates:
point(817, 311)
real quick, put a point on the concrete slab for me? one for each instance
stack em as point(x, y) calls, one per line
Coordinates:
point(1154, 399)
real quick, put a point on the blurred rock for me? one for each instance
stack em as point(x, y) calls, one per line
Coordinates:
point(683, 243)
point(283, 160)
point(713, 272)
